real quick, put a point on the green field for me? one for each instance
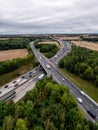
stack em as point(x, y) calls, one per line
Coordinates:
point(5, 78)
point(84, 85)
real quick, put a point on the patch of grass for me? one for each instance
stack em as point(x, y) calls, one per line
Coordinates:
point(5, 78)
point(84, 85)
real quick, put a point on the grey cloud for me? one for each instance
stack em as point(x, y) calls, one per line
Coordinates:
point(48, 16)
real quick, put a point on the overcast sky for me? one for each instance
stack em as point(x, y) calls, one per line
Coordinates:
point(48, 16)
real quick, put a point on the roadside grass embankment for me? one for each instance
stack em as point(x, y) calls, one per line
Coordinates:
point(5, 78)
point(84, 85)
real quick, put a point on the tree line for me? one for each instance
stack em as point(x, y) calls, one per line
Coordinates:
point(48, 106)
point(18, 43)
point(49, 50)
point(10, 65)
point(83, 62)
point(14, 43)
point(89, 39)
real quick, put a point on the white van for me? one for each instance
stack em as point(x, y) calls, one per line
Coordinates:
point(41, 76)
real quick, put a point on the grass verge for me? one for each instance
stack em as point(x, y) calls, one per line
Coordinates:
point(84, 85)
point(5, 78)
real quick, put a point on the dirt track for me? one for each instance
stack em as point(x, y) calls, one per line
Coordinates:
point(12, 54)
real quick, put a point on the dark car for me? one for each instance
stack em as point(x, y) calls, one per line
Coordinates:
point(30, 72)
point(91, 114)
point(6, 86)
point(14, 82)
point(15, 85)
point(23, 77)
point(30, 75)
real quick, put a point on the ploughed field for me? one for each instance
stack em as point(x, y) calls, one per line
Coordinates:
point(13, 54)
point(89, 45)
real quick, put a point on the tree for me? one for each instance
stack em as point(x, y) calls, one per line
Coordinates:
point(29, 109)
point(96, 81)
point(2, 112)
point(86, 127)
point(88, 74)
point(80, 68)
point(8, 123)
point(61, 63)
point(64, 98)
point(19, 111)
point(20, 125)
point(38, 128)
point(49, 125)
point(73, 119)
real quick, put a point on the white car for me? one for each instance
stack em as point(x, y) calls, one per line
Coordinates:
point(55, 56)
point(34, 71)
point(82, 92)
point(48, 66)
point(63, 79)
point(79, 100)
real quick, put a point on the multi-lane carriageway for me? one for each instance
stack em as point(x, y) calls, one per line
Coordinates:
point(31, 78)
point(12, 89)
point(87, 104)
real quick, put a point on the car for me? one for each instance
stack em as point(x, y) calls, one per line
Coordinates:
point(30, 72)
point(6, 86)
point(15, 85)
point(14, 82)
point(91, 114)
point(82, 92)
point(40, 57)
point(34, 71)
point(30, 75)
point(23, 77)
point(9, 86)
point(63, 79)
point(79, 100)
point(0, 92)
point(48, 66)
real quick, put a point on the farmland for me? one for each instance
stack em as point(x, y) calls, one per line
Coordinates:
point(89, 45)
point(13, 54)
point(69, 37)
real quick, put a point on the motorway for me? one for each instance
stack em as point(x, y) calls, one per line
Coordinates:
point(27, 86)
point(88, 104)
point(21, 91)
point(28, 80)
point(15, 84)
point(22, 82)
